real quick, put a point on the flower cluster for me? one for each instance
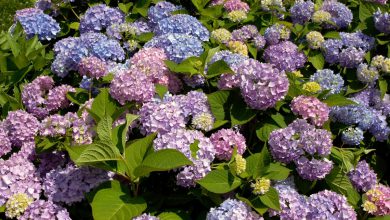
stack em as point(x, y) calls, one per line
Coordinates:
point(377, 202)
point(310, 108)
point(291, 143)
point(302, 11)
point(225, 140)
point(362, 177)
point(285, 56)
point(99, 17)
point(45, 210)
point(382, 21)
point(232, 209)
point(35, 22)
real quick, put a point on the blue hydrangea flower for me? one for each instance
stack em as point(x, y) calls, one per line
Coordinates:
point(302, 11)
point(178, 47)
point(182, 24)
point(358, 40)
point(328, 81)
point(331, 49)
point(108, 50)
point(100, 17)
point(341, 14)
point(232, 209)
point(160, 11)
point(35, 22)
point(382, 21)
point(352, 136)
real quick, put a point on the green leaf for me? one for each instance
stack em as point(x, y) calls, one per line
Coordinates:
point(75, 151)
point(111, 204)
point(217, 68)
point(343, 157)
point(161, 90)
point(383, 87)
point(252, 50)
point(194, 148)
point(219, 104)
point(386, 217)
point(276, 171)
point(99, 151)
point(136, 152)
point(364, 11)
point(332, 34)
point(218, 124)
point(210, 54)
point(74, 25)
point(338, 100)
point(189, 65)
point(256, 164)
point(255, 203)
point(339, 182)
point(271, 199)
point(79, 97)
point(240, 113)
point(125, 7)
point(169, 216)
point(103, 104)
point(120, 132)
point(265, 130)
point(317, 60)
point(162, 160)
point(141, 7)
point(145, 37)
point(104, 128)
point(2, 209)
point(220, 181)
point(279, 119)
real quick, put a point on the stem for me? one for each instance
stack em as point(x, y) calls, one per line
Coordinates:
point(71, 8)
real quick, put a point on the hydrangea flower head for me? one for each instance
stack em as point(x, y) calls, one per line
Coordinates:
point(22, 127)
point(261, 84)
point(310, 108)
point(237, 16)
point(313, 169)
point(363, 177)
point(276, 33)
point(311, 87)
point(379, 196)
point(17, 204)
point(341, 14)
point(235, 5)
point(35, 22)
point(328, 80)
point(367, 74)
point(352, 136)
point(45, 210)
point(146, 216)
point(5, 143)
point(260, 186)
point(315, 39)
point(321, 17)
point(224, 142)
point(203, 121)
point(100, 17)
point(221, 35)
point(93, 67)
point(285, 56)
point(382, 21)
point(302, 11)
point(182, 24)
point(33, 96)
point(240, 165)
point(232, 209)
point(161, 11)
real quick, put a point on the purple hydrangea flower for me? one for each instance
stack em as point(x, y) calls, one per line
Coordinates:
point(83, 127)
point(93, 67)
point(50, 161)
point(232, 209)
point(225, 140)
point(302, 11)
point(181, 140)
point(56, 125)
point(161, 11)
point(293, 205)
point(261, 84)
point(310, 108)
point(56, 99)
point(313, 169)
point(276, 33)
point(352, 136)
point(329, 205)
point(358, 40)
point(331, 49)
point(245, 33)
point(351, 57)
point(108, 50)
point(182, 24)
point(146, 216)
point(285, 56)
point(316, 141)
point(35, 22)
point(33, 96)
point(341, 14)
point(45, 210)
point(21, 126)
point(99, 17)
point(177, 47)
point(161, 117)
point(363, 178)
point(328, 81)
point(18, 175)
point(5, 143)
point(382, 21)
point(284, 145)
point(69, 184)
point(131, 85)
point(235, 5)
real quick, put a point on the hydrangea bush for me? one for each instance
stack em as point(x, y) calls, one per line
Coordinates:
point(196, 109)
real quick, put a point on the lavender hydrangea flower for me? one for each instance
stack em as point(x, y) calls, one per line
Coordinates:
point(313, 169)
point(382, 21)
point(161, 11)
point(310, 108)
point(182, 24)
point(245, 33)
point(56, 99)
point(235, 5)
point(341, 14)
point(99, 17)
point(293, 205)
point(316, 141)
point(328, 81)
point(353, 114)
point(45, 210)
point(69, 184)
point(276, 33)
point(261, 85)
point(329, 205)
point(362, 177)
point(108, 50)
point(83, 127)
point(352, 136)
point(18, 175)
point(146, 216)
point(33, 96)
point(285, 56)
point(331, 49)
point(21, 126)
point(232, 209)
point(358, 40)
point(5, 143)
point(177, 46)
point(284, 146)
point(302, 11)
point(351, 57)
point(225, 140)
point(131, 85)
point(35, 22)
point(93, 67)
point(181, 140)
point(56, 125)
point(161, 117)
